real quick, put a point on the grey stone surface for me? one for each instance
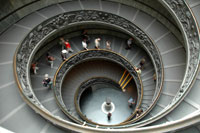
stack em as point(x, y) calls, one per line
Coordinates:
point(185, 110)
point(31, 20)
point(174, 58)
point(190, 2)
point(143, 20)
point(194, 94)
point(147, 82)
point(45, 96)
point(9, 100)
point(90, 4)
point(164, 99)
point(6, 56)
point(175, 73)
point(25, 121)
point(157, 30)
point(156, 110)
point(127, 12)
point(8, 22)
point(7, 74)
point(9, 6)
point(109, 7)
point(189, 130)
point(167, 42)
point(92, 106)
point(161, 121)
point(149, 93)
point(53, 129)
point(171, 87)
point(14, 34)
point(71, 6)
point(196, 11)
point(51, 11)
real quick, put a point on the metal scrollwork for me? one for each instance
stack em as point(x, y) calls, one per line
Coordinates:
point(88, 55)
point(179, 9)
point(190, 30)
point(85, 85)
point(33, 40)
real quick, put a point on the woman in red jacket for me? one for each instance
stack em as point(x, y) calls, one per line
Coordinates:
point(67, 45)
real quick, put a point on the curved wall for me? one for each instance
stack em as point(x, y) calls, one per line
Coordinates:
point(17, 15)
point(13, 11)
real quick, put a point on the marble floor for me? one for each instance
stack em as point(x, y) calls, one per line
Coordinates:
point(91, 105)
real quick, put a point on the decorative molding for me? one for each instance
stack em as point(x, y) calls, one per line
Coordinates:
point(191, 34)
point(89, 83)
point(189, 28)
point(34, 39)
point(91, 55)
point(187, 22)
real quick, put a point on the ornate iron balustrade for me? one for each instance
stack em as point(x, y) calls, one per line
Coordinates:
point(190, 31)
point(189, 28)
point(83, 56)
point(93, 81)
point(34, 39)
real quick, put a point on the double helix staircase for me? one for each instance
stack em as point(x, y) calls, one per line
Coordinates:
point(17, 116)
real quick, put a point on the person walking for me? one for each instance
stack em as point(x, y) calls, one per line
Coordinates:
point(50, 59)
point(154, 77)
point(86, 37)
point(142, 63)
point(84, 44)
point(64, 54)
point(67, 45)
point(109, 115)
point(129, 43)
point(47, 81)
point(131, 102)
point(34, 67)
point(108, 45)
point(97, 43)
point(139, 112)
point(138, 70)
point(62, 42)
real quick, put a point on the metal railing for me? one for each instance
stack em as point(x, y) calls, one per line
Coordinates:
point(93, 55)
point(39, 34)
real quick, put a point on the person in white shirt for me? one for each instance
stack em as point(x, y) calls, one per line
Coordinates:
point(138, 70)
point(97, 43)
point(64, 54)
point(129, 43)
point(108, 45)
point(84, 44)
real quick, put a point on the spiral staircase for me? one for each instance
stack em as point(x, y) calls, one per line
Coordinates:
point(165, 33)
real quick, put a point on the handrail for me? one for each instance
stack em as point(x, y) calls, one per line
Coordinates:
point(189, 28)
point(82, 87)
point(86, 55)
point(39, 34)
point(163, 127)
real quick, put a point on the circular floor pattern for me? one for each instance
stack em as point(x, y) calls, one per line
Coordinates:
point(106, 111)
point(91, 104)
